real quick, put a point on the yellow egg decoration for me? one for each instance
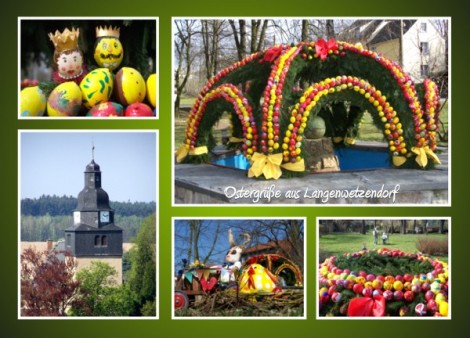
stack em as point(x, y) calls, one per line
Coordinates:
point(152, 90)
point(65, 100)
point(444, 308)
point(96, 87)
point(32, 102)
point(108, 48)
point(130, 86)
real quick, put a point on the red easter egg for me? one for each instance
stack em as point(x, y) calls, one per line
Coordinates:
point(409, 296)
point(357, 288)
point(138, 110)
point(398, 295)
point(388, 295)
point(106, 109)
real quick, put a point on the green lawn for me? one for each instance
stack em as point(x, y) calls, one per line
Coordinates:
point(339, 243)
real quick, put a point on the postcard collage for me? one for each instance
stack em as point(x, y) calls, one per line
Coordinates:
point(279, 114)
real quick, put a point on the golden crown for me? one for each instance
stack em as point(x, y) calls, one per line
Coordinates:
point(66, 40)
point(108, 31)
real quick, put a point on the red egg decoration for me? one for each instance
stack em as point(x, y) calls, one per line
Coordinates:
point(138, 109)
point(106, 109)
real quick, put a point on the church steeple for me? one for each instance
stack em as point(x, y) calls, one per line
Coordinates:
point(93, 202)
point(94, 236)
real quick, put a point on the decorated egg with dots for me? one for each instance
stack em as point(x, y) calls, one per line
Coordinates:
point(130, 86)
point(106, 109)
point(65, 100)
point(32, 102)
point(96, 87)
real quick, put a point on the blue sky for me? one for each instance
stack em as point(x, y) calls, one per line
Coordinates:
point(53, 163)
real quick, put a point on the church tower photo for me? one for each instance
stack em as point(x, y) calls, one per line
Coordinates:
point(94, 236)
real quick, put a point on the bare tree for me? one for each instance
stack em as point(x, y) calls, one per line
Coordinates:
point(184, 57)
point(197, 239)
point(240, 37)
point(211, 34)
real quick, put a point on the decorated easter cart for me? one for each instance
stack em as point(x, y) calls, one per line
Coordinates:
point(276, 97)
point(265, 274)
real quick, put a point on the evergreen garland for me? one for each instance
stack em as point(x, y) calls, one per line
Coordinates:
point(274, 74)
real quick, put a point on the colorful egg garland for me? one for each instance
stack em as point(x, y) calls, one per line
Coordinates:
point(431, 286)
point(270, 142)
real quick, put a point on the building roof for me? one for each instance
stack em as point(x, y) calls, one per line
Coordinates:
point(283, 244)
point(86, 227)
point(375, 31)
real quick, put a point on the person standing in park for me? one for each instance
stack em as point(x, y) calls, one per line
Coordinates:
point(384, 238)
point(376, 235)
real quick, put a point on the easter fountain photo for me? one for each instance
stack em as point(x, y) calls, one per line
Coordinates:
point(335, 118)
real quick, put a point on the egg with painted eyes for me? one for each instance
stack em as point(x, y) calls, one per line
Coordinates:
point(97, 87)
point(108, 52)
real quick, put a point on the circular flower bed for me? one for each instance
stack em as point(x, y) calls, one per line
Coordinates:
point(383, 283)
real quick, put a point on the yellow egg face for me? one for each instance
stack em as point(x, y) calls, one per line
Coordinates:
point(32, 102)
point(109, 53)
point(152, 90)
point(65, 100)
point(130, 86)
point(96, 87)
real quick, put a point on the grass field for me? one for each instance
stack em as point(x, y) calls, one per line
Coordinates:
point(339, 243)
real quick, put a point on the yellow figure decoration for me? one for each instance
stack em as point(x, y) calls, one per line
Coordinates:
point(108, 48)
point(257, 279)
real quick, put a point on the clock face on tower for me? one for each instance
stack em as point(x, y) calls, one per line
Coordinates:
point(104, 216)
point(76, 217)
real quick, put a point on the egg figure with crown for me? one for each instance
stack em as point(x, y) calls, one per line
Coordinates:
point(68, 58)
point(108, 49)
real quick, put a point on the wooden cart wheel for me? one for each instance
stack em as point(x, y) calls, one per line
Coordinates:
point(181, 300)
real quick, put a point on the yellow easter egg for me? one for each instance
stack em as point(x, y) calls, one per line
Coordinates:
point(32, 102)
point(444, 308)
point(152, 90)
point(130, 86)
point(96, 87)
point(65, 100)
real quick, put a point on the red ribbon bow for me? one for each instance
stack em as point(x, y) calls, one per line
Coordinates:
point(272, 53)
point(367, 307)
point(322, 47)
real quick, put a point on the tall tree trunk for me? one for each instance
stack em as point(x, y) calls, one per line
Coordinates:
point(441, 226)
point(304, 34)
point(363, 229)
point(330, 29)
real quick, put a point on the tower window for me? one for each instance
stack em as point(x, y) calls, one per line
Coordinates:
point(104, 241)
point(97, 241)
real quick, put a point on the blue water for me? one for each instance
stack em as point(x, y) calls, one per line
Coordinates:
point(237, 161)
point(349, 159)
point(360, 159)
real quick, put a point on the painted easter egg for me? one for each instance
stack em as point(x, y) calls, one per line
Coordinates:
point(420, 309)
point(152, 90)
point(138, 110)
point(130, 86)
point(106, 109)
point(65, 100)
point(96, 87)
point(32, 102)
